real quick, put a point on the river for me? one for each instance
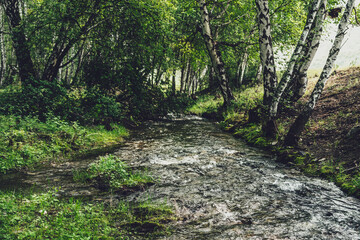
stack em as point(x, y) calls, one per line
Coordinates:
point(223, 189)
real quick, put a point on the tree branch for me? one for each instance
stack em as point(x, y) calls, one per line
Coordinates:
point(356, 18)
point(235, 44)
point(223, 11)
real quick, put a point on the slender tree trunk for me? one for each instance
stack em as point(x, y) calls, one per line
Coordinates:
point(78, 66)
point(158, 76)
point(299, 78)
point(212, 79)
point(298, 126)
point(290, 68)
point(189, 82)
point(259, 74)
point(238, 72)
point(173, 85)
point(241, 68)
point(215, 56)
point(188, 71)
point(182, 77)
point(22, 52)
point(266, 50)
point(268, 65)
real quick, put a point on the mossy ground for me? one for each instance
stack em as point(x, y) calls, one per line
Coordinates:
point(324, 149)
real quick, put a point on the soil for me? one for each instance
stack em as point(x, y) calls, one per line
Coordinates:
point(336, 113)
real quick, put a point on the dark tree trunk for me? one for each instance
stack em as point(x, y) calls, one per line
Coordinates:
point(173, 85)
point(26, 67)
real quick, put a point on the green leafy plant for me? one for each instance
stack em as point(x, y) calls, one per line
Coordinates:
point(109, 172)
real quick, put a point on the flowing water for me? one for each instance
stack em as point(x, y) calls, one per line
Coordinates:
point(223, 189)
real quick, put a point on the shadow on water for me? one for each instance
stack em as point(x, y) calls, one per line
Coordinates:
point(221, 188)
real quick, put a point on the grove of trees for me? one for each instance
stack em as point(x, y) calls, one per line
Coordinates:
point(96, 61)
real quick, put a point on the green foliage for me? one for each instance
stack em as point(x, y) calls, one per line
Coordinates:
point(100, 108)
point(110, 172)
point(26, 141)
point(45, 216)
point(39, 99)
point(205, 104)
point(252, 133)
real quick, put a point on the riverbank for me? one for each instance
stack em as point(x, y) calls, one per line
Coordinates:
point(55, 153)
point(329, 144)
point(27, 142)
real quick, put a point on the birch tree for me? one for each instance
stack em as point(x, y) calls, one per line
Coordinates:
point(296, 54)
point(215, 54)
point(266, 50)
point(272, 90)
point(299, 124)
point(298, 82)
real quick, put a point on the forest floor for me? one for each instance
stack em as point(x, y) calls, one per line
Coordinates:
point(336, 113)
point(326, 148)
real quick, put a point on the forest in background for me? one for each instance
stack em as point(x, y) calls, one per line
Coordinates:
point(74, 73)
point(85, 64)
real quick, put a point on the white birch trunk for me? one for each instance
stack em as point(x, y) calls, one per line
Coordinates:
point(214, 53)
point(299, 78)
point(299, 124)
point(243, 68)
point(290, 68)
point(266, 50)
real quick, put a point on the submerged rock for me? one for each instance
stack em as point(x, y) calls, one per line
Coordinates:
point(354, 132)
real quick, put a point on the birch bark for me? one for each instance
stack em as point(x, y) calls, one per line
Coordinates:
point(266, 50)
point(215, 55)
point(290, 68)
point(298, 126)
point(299, 79)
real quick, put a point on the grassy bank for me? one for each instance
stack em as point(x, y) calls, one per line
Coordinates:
point(45, 216)
point(24, 142)
point(325, 148)
point(48, 216)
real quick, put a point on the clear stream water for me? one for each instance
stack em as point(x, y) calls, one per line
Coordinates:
point(220, 187)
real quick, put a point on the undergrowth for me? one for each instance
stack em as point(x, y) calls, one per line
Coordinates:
point(46, 216)
point(109, 172)
point(27, 141)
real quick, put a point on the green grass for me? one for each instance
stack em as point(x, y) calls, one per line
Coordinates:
point(109, 172)
point(27, 141)
point(206, 103)
point(45, 216)
point(246, 99)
